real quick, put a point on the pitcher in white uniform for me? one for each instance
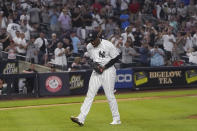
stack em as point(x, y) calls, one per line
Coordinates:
point(106, 55)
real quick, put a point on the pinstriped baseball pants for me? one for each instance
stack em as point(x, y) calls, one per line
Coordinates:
point(107, 80)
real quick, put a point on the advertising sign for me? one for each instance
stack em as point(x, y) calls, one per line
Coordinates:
point(8, 67)
point(52, 84)
point(78, 81)
point(165, 77)
point(124, 78)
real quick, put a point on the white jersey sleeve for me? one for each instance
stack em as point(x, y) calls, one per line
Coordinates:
point(113, 51)
point(89, 47)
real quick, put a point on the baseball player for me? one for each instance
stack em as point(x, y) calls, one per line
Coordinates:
point(104, 55)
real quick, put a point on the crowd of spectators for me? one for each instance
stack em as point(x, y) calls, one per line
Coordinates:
point(147, 32)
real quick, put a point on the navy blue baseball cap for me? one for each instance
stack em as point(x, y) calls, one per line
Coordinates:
point(92, 36)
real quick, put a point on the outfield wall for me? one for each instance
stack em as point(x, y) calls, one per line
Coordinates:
point(164, 77)
point(72, 83)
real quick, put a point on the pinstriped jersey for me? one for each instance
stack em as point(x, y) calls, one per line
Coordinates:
point(103, 53)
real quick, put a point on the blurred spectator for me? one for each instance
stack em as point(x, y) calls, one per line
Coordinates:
point(12, 28)
point(34, 13)
point(188, 44)
point(113, 3)
point(138, 37)
point(110, 27)
point(10, 19)
point(134, 8)
point(41, 43)
point(13, 5)
point(52, 45)
point(182, 11)
point(64, 34)
point(75, 42)
point(12, 52)
point(107, 11)
point(144, 55)
point(159, 22)
point(65, 20)
point(157, 56)
point(16, 17)
point(76, 65)
point(192, 54)
point(190, 24)
point(32, 51)
point(4, 38)
point(21, 46)
point(97, 6)
point(88, 19)
point(97, 21)
point(25, 4)
point(117, 40)
point(158, 9)
point(76, 20)
point(171, 11)
point(127, 35)
point(26, 28)
point(30, 81)
point(68, 45)
point(194, 39)
point(60, 56)
point(54, 25)
point(3, 20)
point(128, 53)
point(173, 23)
point(191, 9)
point(124, 4)
point(178, 52)
point(45, 17)
point(24, 16)
point(17, 37)
point(168, 44)
point(179, 46)
point(152, 34)
point(124, 18)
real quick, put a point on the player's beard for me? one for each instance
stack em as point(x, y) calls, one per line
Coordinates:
point(96, 42)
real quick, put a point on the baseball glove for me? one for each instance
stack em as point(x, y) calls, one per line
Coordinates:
point(98, 68)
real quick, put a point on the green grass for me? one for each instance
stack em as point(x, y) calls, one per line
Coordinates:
point(62, 100)
point(163, 114)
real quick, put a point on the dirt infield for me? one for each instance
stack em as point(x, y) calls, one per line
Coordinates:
point(101, 101)
point(193, 117)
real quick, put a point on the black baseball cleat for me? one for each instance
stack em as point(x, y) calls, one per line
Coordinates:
point(76, 120)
